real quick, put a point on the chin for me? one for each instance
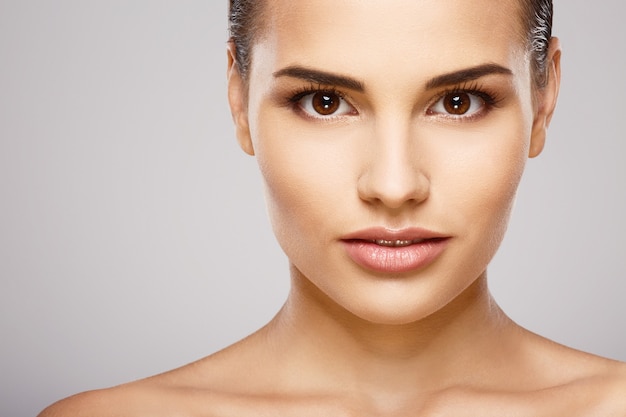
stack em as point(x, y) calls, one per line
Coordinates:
point(398, 311)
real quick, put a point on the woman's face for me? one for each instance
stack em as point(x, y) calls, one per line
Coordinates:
point(391, 137)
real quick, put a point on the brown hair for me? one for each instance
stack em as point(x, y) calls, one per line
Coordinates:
point(244, 25)
point(537, 15)
point(245, 22)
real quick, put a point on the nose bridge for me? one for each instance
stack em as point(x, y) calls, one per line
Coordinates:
point(393, 175)
point(392, 142)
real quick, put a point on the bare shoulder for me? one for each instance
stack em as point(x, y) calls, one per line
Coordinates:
point(190, 390)
point(599, 389)
point(597, 394)
point(149, 400)
point(212, 386)
point(602, 392)
point(154, 396)
point(613, 381)
point(129, 400)
point(596, 383)
point(560, 382)
point(176, 392)
point(146, 398)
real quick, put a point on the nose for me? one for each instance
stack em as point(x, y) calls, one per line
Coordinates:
point(392, 174)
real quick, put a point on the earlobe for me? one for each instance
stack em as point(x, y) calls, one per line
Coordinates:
point(546, 99)
point(237, 100)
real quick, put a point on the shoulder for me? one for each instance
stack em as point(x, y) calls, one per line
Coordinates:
point(614, 395)
point(557, 365)
point(179, 391)
point(601, 393)
point(128, 400)
point(150, 401)
point(598, 390)
point(140, 399)
point(175, 392)
point(571, 384)
point(599, 384)
point(77, 405)
point(598, 394)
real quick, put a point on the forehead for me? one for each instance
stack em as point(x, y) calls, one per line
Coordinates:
point(377, 36)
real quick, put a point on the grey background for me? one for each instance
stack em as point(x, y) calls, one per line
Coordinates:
point(133, 236)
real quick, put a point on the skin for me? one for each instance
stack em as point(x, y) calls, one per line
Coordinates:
point(354, 342)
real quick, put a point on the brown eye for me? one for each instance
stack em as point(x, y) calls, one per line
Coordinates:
point(325, 103)
point(457, 103)
point(460, 105)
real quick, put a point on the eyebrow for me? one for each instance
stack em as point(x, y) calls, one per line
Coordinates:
point(328, 78)
point(321, 77)
point(467, 74)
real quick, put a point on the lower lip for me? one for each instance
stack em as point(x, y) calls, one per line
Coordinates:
point(394, 259)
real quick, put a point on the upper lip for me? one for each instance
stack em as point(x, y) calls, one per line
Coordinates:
point(374, 234)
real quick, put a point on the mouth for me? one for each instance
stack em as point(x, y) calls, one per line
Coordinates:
point(398, 243)
point(394, 251)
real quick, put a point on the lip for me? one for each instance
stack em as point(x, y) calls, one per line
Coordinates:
point(394, 251)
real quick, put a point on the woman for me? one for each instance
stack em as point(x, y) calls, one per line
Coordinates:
point(391, 137)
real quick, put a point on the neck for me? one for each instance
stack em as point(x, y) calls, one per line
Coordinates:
point(331, 345)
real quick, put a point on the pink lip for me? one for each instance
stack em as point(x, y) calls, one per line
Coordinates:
point(394, 251)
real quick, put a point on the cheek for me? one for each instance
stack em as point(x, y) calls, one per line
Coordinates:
point(305, 177)
point(482, 181)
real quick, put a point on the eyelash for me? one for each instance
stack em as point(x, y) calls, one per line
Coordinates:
point(489, 98)
point(302, 92)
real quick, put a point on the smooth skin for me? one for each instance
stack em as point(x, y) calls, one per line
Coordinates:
point(385, 152)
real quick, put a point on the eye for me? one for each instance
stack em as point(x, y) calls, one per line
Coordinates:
point(458, 103)
point(322, 104)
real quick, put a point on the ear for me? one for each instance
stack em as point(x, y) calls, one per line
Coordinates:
point(237, 99)
point(546, 98)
